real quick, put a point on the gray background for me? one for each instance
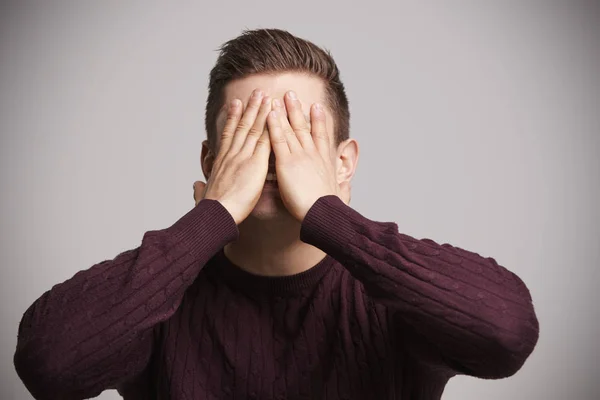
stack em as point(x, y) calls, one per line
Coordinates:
point(478, 124)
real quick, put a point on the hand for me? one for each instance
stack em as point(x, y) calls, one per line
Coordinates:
point(303, 156)
point(240, 168)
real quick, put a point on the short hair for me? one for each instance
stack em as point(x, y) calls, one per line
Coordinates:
point(272, 51)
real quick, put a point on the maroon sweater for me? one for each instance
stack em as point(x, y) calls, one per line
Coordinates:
point(382, 316)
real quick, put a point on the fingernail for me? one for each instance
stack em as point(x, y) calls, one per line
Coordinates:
point(276, 103)
point(257, 94)
point(234, 103)
point(292, 95)
point(318, 109)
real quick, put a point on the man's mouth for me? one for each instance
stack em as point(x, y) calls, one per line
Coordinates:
point(271, 177)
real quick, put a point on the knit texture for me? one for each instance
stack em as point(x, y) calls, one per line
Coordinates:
point(382, 316)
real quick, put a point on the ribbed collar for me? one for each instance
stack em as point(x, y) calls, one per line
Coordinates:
point(280, 286)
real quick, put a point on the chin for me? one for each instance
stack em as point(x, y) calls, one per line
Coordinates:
point(269, 207)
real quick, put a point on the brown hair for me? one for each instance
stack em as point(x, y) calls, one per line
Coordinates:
point(269, 51)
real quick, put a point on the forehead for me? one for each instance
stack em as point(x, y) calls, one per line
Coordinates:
point(310, 89)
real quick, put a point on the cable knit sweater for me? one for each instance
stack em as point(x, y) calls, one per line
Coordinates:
point(382, 316)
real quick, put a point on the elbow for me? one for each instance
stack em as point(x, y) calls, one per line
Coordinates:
point(519, 346)
point(500, 355)
point(506, 362)
point(498, 362)
point(509, 352)
point(513, 344)
point(42, 361)
point(41, 372)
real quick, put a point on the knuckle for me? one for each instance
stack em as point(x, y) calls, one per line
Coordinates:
point(289, 131)
point(231, 119)
point(320, 135)
point(255, 131)
point(225, 160)
point(303, 130)
point(262, 142)
point(264, 139)
point(225, 138)
point(279, 140)
point(243, 125)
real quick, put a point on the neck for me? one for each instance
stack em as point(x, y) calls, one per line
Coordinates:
point(272, 248)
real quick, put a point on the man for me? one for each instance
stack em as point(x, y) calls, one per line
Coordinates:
point(272, 286)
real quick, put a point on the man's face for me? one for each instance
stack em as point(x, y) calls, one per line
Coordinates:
point(309, 89)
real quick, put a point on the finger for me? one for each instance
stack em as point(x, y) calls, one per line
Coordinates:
point(258, 129)
point(247, 121)
point(262, 150)
point(234, 112)
point(199, 187)
point(319, 129)
point(286, 128)
point(297, 120)
point(278, 141)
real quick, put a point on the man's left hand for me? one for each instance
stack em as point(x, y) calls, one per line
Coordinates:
point(304, 156)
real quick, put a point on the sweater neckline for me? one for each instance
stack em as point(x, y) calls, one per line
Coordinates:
point(280, 286)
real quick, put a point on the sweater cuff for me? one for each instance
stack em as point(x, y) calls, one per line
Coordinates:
point(206, 228)
point(330, 225)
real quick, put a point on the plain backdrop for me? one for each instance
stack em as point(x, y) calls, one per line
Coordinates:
point(478, 124)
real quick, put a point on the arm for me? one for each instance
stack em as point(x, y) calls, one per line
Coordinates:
point(95, 330)
point(479, 314)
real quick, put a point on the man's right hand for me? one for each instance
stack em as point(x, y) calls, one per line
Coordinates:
point(240, 167)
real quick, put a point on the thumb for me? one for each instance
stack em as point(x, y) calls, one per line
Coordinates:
point(199, 187)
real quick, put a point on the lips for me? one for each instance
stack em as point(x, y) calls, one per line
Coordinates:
point(271, 186)
point(271, 180)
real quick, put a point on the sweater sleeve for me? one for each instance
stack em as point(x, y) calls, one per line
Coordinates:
point(96, 330)
point(477, 313)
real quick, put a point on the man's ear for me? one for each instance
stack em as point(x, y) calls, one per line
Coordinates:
point(207, 159)
point(347, 160)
